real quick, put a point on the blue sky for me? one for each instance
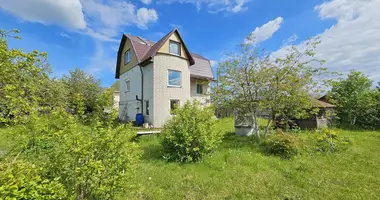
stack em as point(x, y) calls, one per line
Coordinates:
point(86, 33)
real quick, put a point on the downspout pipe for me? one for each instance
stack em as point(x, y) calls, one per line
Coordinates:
point(142, 91)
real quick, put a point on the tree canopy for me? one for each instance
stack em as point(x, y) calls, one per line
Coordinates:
point(253, 83)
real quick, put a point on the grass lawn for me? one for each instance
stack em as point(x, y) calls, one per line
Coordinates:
point(239, 170)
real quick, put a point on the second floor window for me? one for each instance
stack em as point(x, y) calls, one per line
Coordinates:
point(127, 57)
point(175, 48)
point(199, 89)
point(174, 78)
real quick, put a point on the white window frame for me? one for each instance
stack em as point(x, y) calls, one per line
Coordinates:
point(179, 47)
point(180, 78)
point(127, 59)
point(126, 85)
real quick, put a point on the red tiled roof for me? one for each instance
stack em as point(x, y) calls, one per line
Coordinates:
point(153, 50)
point(146, 49)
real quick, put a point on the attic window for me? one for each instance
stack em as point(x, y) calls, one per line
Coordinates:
point(175, 48)
point(127, 57)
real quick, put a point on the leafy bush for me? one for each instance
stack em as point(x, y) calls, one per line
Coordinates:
point(281, 144)
point(22, 180)
point(191, 134)
point(329, 141)
point(91, 162)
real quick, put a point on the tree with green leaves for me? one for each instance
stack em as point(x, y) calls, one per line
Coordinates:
point(356, 100)
point(78, 83)
point(253, 83)
point(291, 83)
point(21, 77)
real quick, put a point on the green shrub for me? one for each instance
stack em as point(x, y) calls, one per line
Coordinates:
point(91, 162)
point(190, 134)
point(329, 141)
point(281, 144)
point(22, 180)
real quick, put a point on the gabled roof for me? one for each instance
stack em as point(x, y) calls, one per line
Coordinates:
point(145, 49)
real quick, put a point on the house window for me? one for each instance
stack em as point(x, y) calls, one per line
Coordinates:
point(174, 78)
point(199, 89)
point(127, 57)
point(175, 48)
point(147, 107)
point(174, 104)
point(127, 86)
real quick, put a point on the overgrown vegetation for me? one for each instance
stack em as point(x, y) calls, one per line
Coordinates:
point(63, 142)
point(60, 140)
point(358, 103)
point(328, 141)
point(252, 83)
point(191, 134)
point(281, 144)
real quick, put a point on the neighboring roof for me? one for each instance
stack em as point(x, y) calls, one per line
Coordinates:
point(322, 104)
point(145, 50)
point(116, 86)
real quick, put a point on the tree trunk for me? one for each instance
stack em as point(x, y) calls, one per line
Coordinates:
point(255, 125)
point(267, 127)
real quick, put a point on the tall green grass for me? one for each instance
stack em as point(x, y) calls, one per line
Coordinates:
point(240, 170)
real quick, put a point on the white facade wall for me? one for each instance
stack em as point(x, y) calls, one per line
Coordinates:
point(157, 91)
point(164, 93)
point(148, 92)
point(129, 106)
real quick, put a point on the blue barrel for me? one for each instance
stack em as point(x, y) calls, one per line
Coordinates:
point(139, 119)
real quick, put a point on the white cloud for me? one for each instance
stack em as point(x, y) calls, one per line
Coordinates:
point(147, 2)
point(213, 63)
point(354, 41)
point(101, 19)
point(109, 18)
point(215, 6)
point(66, 13)
point(102, 60)
point(177, 26)
point(65, 35)
point(265, 32)
point(145, 16)
point(290, 40)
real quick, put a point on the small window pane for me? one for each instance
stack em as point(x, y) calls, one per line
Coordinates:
point(174, 104)
point(175, 48)
point(174, 78)
point(127, 57)
point(199, 89)
point(128, 86)
point(147, 107)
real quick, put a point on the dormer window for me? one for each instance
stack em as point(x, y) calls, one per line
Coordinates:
point(127, 57)
point(175, 48)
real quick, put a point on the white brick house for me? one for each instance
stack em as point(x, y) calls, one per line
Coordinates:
point(154, 77)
